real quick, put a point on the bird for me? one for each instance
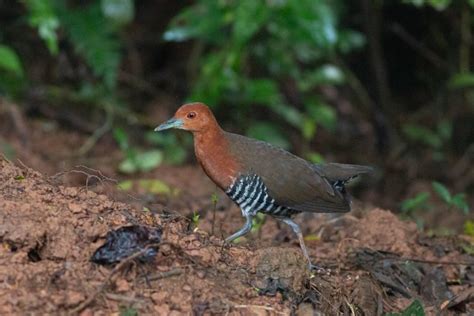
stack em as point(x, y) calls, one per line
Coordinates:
point(261, 177)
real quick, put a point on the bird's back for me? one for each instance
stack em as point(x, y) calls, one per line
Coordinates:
point(291, 181)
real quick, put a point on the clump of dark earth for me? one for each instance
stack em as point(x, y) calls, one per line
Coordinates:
point(127, 241)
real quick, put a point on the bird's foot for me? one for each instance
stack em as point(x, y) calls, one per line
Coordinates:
point(317, 269)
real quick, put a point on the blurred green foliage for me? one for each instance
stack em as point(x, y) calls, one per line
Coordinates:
point(11, 71)
point(92, 29)
point(424, 201)
point(248, 51)
point(135, 160)
point(437, 4)
point(42, 16)
point(469, 228)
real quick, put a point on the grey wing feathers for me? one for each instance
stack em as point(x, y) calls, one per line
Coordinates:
point(339, 171)
point(291, 181)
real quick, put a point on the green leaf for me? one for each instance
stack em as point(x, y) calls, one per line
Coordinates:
point(121, 138)
point(322, 113)
point(415, 309)
point(129, 311)
point(423, 135)
point(288, 113)
point(308, 128)
point(149, 160)
point(437, 4)
point(258, 222)
point(214, 198)
point(195, 218)
point(9, 61)
point(95, 39)
point(42, 16)
point(462, 80)
point(445, 129)
point(178, 34)
point(459, 200)
point(469, 228)
point(125, 185)
point(119, 11)
point(155, 186)
point(263, 91)
point(468, 248)
point(419, 201)
point(249, 16)
point(315, 157)
point(442, 191)
point(325, 74)
point(312, 237)
point(128, 166)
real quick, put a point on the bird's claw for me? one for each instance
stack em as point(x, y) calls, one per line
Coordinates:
point(318, 269)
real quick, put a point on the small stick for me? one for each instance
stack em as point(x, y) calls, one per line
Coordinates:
point(166, 274)
point(122, 298)
point(267, 308)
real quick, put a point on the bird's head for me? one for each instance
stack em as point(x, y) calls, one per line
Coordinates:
point(194, 117)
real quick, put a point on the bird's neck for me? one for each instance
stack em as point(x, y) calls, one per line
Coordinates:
point(213, 153)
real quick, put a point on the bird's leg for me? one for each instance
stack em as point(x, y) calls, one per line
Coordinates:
point(243, 231)
point(297, 230)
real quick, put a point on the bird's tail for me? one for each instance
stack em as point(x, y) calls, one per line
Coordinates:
point(341, 172)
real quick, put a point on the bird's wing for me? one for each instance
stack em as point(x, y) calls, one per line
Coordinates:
point(290, 180)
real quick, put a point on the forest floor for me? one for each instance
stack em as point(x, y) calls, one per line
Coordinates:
point(55, 213)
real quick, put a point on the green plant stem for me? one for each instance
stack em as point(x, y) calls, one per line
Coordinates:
point(214, 209)
point(98, 133)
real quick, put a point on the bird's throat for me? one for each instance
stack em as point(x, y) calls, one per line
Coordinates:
point(212, 152)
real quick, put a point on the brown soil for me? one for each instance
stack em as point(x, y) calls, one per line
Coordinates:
point(374, 262)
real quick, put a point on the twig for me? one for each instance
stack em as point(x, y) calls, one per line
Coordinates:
point(107, 280)
point(424, 51)
point(98, 133)
point(99, 177)
point(166, 274)
point(267, 308)
point(122, 298)
point(214, 202)
point(465, 263)
point(351, 307)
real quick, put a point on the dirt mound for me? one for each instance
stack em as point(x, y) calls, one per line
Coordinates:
point(49, 233)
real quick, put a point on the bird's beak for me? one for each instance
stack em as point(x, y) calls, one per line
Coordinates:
point(171, 123)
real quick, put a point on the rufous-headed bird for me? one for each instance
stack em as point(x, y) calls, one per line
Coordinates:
point(260, 177)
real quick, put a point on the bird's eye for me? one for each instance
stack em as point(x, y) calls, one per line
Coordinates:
point(191, 115)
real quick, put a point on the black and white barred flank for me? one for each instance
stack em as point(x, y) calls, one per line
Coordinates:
point(251, 195)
